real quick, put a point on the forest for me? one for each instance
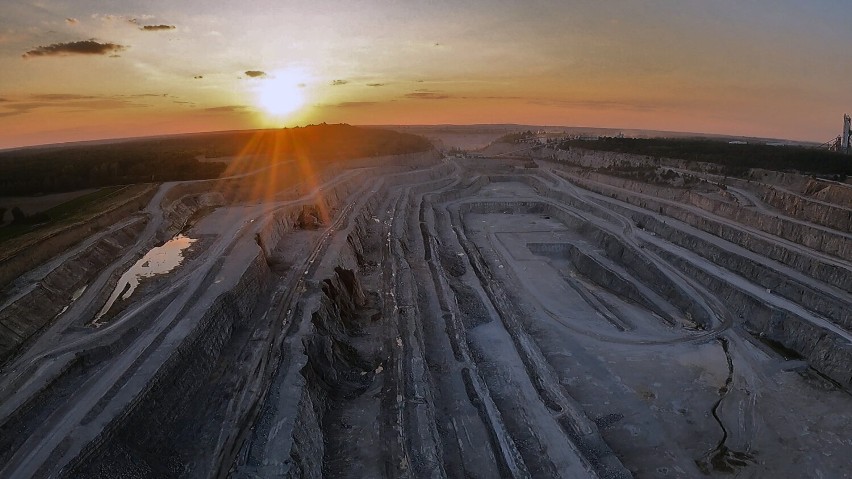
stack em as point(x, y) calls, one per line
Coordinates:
point(733, 159)
point(53, 169)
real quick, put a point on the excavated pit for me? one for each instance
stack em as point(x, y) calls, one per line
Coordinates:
point(453, 318)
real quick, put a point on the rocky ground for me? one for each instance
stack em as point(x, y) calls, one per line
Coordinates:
point(422, 316)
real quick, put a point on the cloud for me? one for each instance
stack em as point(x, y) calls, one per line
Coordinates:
point(598, 104)
point(354, 104)
point(227, 109)
point(83, 47)
point(60, 97)
point(427, 95)
point(65, 102)
point(108, 17)
point(72, 21)
point(375, 84)
point(154, 28)
point(339, 82)
point(255, 74)
point(11, 36)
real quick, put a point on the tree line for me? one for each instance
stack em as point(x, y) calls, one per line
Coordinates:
point(66, 168)
point(733, 159)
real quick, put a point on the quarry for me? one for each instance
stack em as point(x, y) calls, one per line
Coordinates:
point(527, 312)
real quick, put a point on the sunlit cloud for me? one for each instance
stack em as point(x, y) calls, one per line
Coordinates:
point(60, 97)
point(598, 104)
point(12, 36)
point(83, 47)
point(355, 104)
point(65, 102)
point(227, 109)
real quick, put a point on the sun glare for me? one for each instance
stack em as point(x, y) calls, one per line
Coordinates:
point(281, 93)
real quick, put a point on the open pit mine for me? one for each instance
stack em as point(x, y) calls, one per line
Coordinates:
point(430, 316)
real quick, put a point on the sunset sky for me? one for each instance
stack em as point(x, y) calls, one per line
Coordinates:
point(84, 69)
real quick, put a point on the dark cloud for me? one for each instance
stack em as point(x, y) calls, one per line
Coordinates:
point(72, 21)
point(375, 84)
point(83, 47)
point(255, 74)
point(198, 77)
point(427, 95)
point(339, 82)
point(227, 109)
point(154, 28)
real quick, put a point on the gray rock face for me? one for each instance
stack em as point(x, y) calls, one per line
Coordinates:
point(31, 312)
point(425, 318)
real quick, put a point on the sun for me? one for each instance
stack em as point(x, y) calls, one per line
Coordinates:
point(281, 93)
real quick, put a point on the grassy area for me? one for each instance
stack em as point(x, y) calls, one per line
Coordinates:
point(733, 159)
point(67, 212)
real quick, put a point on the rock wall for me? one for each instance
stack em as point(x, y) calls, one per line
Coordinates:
point(817, 238)
point(36, 309)
point(134, 442)
point(832, 215)
point(807, 264)
point(14, 263)
point(831, 192)
point(824, 350)
point(179, 213)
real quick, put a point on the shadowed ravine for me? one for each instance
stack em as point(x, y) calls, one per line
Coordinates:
point(721, 458)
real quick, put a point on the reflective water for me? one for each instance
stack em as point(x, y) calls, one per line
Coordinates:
point(159, 260)
point(74, 297)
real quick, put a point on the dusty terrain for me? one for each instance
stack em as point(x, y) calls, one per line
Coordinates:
point(427, 316)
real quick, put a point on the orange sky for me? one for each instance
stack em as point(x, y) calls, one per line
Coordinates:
point(81, 70)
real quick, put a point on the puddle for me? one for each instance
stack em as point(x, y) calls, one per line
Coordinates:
point(79, 293)
point(160, 260)
point(74, 297)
